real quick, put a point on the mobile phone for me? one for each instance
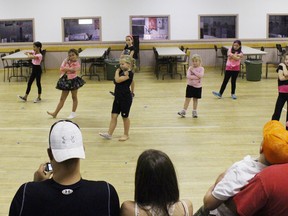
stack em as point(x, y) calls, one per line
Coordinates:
point(48, 167)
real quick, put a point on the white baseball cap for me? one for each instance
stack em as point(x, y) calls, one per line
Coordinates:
point(65, 141)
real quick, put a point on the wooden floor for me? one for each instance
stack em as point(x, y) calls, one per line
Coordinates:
point(225, 131)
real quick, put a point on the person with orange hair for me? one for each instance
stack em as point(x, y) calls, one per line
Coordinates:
point(273, 150)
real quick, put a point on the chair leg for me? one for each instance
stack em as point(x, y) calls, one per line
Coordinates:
point(267, 70)
point(44, 67)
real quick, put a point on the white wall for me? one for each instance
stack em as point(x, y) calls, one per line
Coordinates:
point(115, 15)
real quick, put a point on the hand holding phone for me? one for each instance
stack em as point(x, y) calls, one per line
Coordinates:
point(44, 172)
point(48, 167)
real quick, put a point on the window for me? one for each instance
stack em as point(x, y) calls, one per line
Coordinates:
point(12, 31)
point(220, 26)
point(150, 27)
point(278, 26)
point(81, 29)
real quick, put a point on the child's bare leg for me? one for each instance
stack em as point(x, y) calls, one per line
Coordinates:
point(186, 103)
point(113, 123)
point(195, 103)
point(126, 122)
point(63, 97)
point(75, 100)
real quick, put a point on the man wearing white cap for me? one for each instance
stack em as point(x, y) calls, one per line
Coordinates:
point(66, 193)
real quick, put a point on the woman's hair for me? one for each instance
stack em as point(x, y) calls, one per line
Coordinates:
point(73, 51)
point(39, 45)
point(240, 47)
point(156, 183)
point(128, 59)
point(196, 57)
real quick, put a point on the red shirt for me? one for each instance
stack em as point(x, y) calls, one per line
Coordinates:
point(266, 194)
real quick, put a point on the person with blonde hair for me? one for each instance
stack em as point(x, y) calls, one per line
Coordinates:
point(194, 85)
point(129, 49)
point(124, 90)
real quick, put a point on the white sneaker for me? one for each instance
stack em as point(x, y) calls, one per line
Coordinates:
point(37, 100)
point(194, 114)
point(105, 135)
point(182, 113)
point(233, 96)
point(72, 115)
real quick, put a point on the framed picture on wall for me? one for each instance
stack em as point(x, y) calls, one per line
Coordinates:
point(81, 29)
point(150, 27)
point(218, 26)
point(277, 25)
point(19, 30)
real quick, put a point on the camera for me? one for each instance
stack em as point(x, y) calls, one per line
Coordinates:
point(48, 167)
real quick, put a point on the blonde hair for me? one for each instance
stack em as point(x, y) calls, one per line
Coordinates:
point(129, 60)
point(196, 57)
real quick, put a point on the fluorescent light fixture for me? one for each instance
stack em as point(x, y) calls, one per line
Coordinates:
point(85, 21)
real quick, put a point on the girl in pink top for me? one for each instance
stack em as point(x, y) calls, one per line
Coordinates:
point(282, 90)
point(69, 81)
point(194, 85)
point(36, 58)
point(232, 69)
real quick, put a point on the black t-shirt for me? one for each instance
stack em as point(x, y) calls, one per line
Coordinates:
point(122, 90)
point(127, 51)
point(281, 82)
point(48, 198)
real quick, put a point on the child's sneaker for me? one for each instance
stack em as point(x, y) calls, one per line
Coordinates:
point(233, 96)
point(105, 135)
point(72, 115)
point(182, 113)
point(22, 98)
point(194, 114)
point(37, 100)
point(217, 94)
